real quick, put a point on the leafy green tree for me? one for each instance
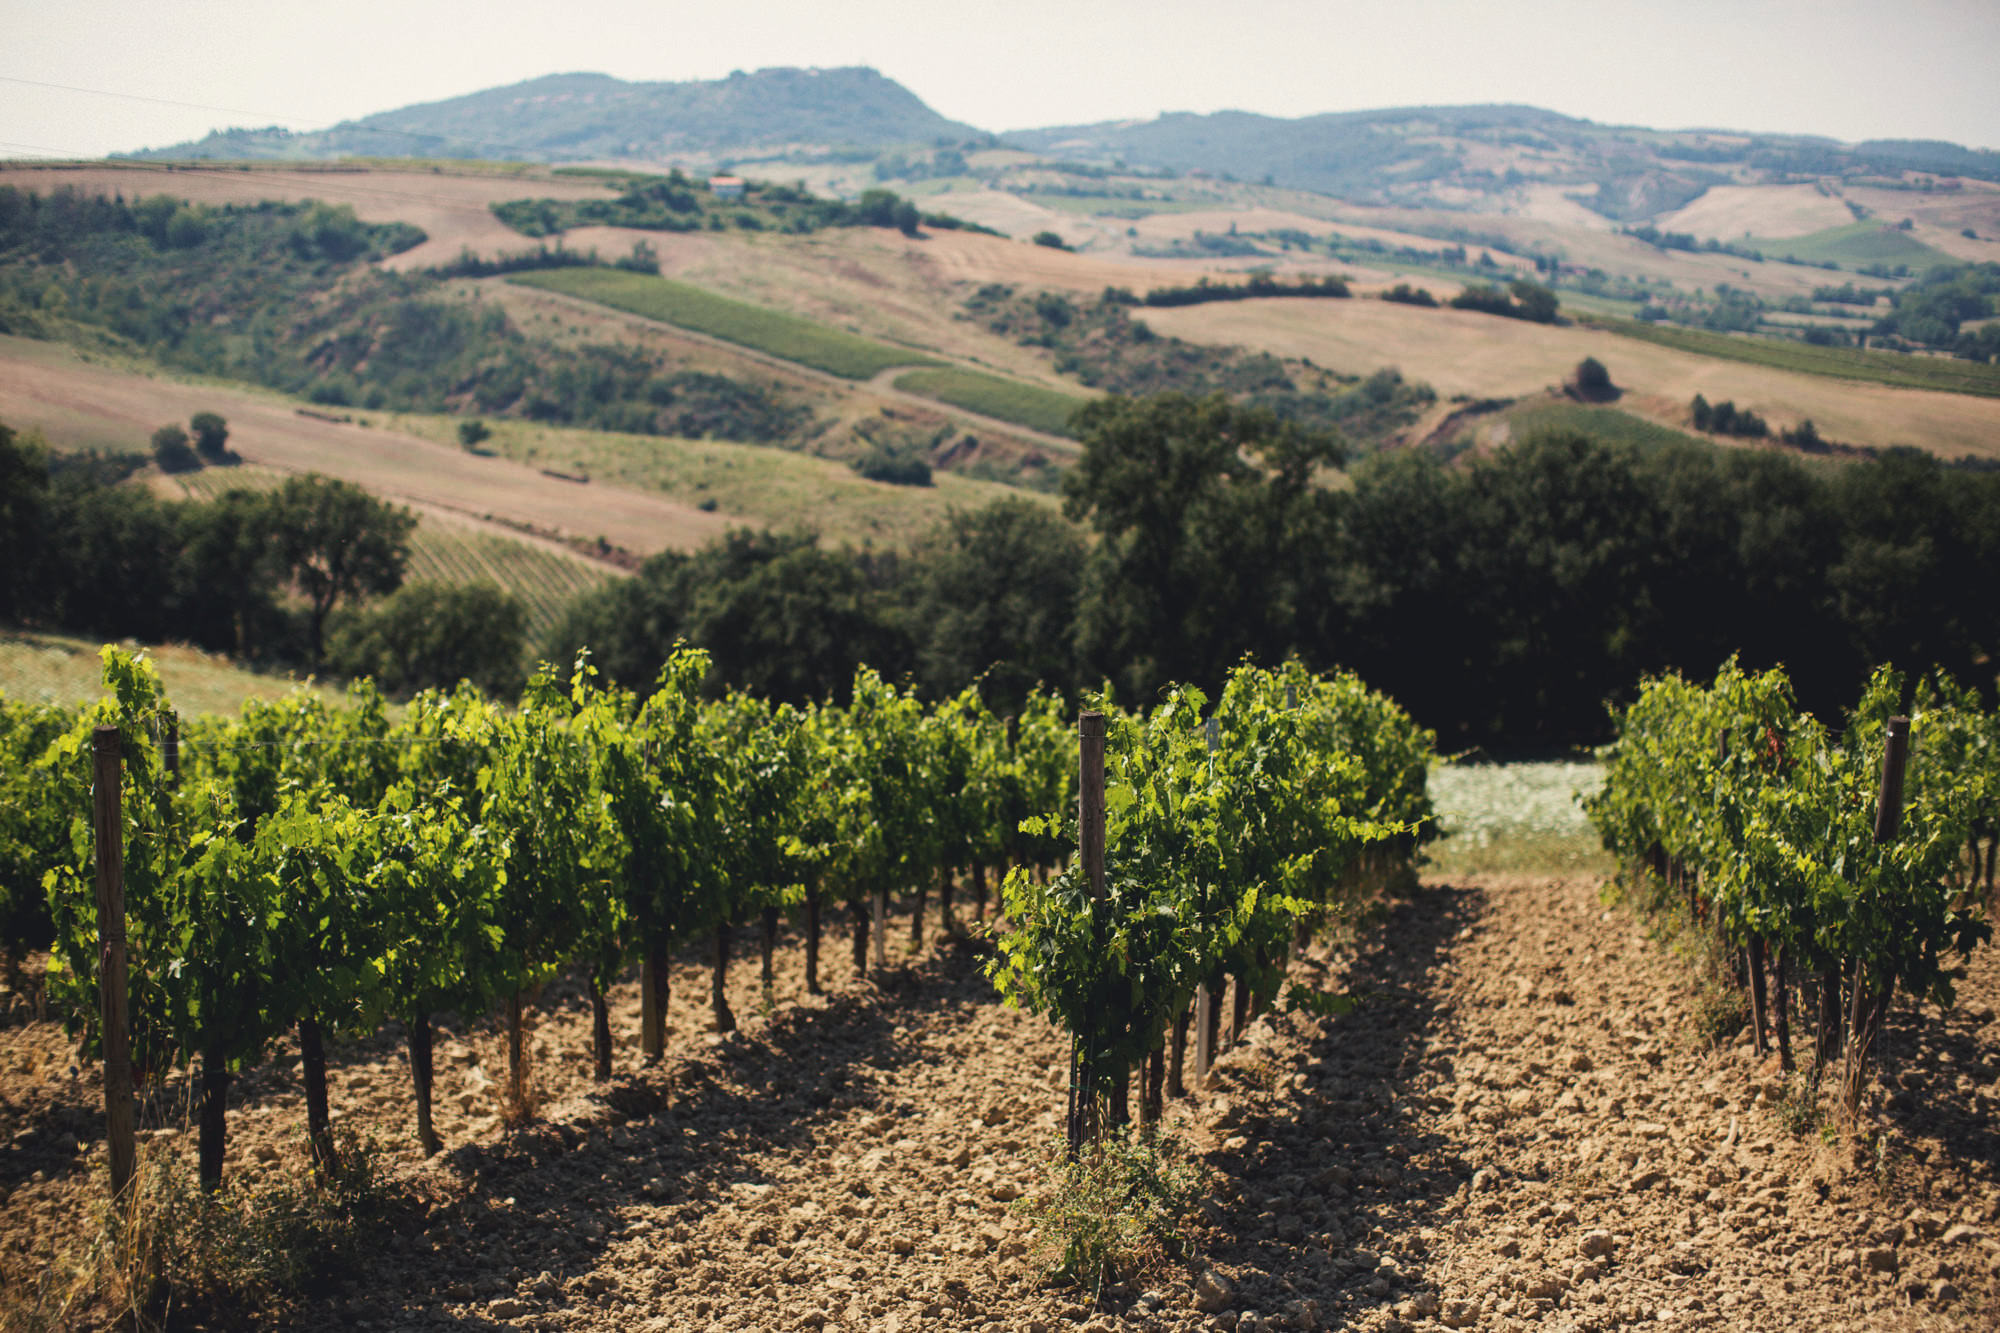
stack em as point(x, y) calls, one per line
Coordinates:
point(211, 437)
point(226, 585)
point(172, 451)
point(1192, 499)
point(335, 543)
point(434, 634)
point(993, 595)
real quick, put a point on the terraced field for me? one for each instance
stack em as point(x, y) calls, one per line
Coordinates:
point(545, 581)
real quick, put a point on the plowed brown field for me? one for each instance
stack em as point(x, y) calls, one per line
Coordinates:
point(1514, 1131)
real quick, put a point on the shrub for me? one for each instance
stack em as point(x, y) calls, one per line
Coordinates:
point(1404, 294)
point(473, 432)
point(1050, 240)
point(1591, 376)
point(892, 467)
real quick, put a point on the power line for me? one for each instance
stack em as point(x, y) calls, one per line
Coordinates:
point(137, 97)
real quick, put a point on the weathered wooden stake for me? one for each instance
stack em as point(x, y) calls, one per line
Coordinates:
point(1889, 800)
point(1090, 849)
point(108, 815)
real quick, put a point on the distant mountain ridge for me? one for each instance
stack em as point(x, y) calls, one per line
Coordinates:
point(1437, 157)
point(585, 117)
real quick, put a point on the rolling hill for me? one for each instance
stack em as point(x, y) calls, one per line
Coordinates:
point(583, 117)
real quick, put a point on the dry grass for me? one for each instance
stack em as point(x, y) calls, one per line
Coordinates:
point(766, 487)
point(1460, 352)
point(58, 668)
point(1730, 212)
point(80, 404)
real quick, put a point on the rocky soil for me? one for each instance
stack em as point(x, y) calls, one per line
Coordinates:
point(1515, 1129)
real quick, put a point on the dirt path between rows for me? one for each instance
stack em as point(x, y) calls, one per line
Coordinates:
point(1513, 1131)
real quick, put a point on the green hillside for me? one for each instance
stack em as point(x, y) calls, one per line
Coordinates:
point(755, 327)
point(995, 396)
point(582, 117)
point(1857, 245)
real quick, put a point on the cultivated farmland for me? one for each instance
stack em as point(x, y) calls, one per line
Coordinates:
point(769, 331)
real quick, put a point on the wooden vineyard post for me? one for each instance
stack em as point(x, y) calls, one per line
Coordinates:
point(1090, 850)
point(1889, 799)
point(1204, 993)
point(1868, 1003)
point(108, 812)
point(653, 1001)
point(653, 966)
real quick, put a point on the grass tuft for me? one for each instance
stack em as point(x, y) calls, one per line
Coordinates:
point(1119, 1210)
point(170, 1254)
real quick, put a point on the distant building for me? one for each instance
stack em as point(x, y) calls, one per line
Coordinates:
point(726, 187)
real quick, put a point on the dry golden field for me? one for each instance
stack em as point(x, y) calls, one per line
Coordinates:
point(83, 405)
point(1731, 211)
point(1461, 352)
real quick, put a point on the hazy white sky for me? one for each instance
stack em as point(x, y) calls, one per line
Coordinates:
point(1849, 69)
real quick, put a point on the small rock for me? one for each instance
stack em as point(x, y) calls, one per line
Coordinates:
point(1548, 1287)
point(1420, 1306)
point(1943, 1292)
point(1962, 1233)
point(1597, 1244)
point(1213, 1292)
point(1879, 1259)
point(1460, 1314)
point(1485, 1178)
point(1579, 1063)
point(1508, 1248)
point(507, 1308)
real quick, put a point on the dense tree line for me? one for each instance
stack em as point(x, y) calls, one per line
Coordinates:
point(676, 203)
point(1503, 600)
point(1934, 309)
point(281, 576)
